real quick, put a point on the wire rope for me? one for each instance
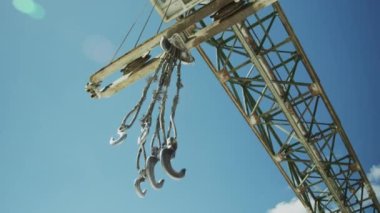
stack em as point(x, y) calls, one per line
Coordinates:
point(146, 23)
point(129, 31)
point(162, 19)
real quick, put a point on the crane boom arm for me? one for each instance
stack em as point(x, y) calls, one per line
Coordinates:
point(263, 68)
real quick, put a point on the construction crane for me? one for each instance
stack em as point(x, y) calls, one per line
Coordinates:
point(263, 68)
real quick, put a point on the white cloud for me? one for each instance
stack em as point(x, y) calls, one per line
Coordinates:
point(293, 206)
point(374, 178)
point(374, 173)
point(376, 188)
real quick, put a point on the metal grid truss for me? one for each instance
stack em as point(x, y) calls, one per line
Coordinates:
point(263, 68)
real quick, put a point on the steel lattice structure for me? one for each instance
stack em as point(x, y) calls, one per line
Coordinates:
point(262, 67)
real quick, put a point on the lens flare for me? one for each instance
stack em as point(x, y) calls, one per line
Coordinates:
point(98, 48)
point(38, 13)
point(24, 6)
point(29, 7)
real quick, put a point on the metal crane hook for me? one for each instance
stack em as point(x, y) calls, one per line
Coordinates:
point(166, 155)
point(122, 132)
point(150, 164)
point(141, 193)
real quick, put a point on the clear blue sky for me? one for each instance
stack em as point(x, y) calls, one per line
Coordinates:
point(54, 151)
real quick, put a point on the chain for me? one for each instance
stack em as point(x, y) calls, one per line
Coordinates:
point(141, 143)
point(156, 135)
point(146, 121)
point(172, 63)
point(135, 111)
point(160, 149)
point(179, 85)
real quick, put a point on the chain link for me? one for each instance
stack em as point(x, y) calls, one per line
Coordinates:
point(136, 109)
point(179, 85)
